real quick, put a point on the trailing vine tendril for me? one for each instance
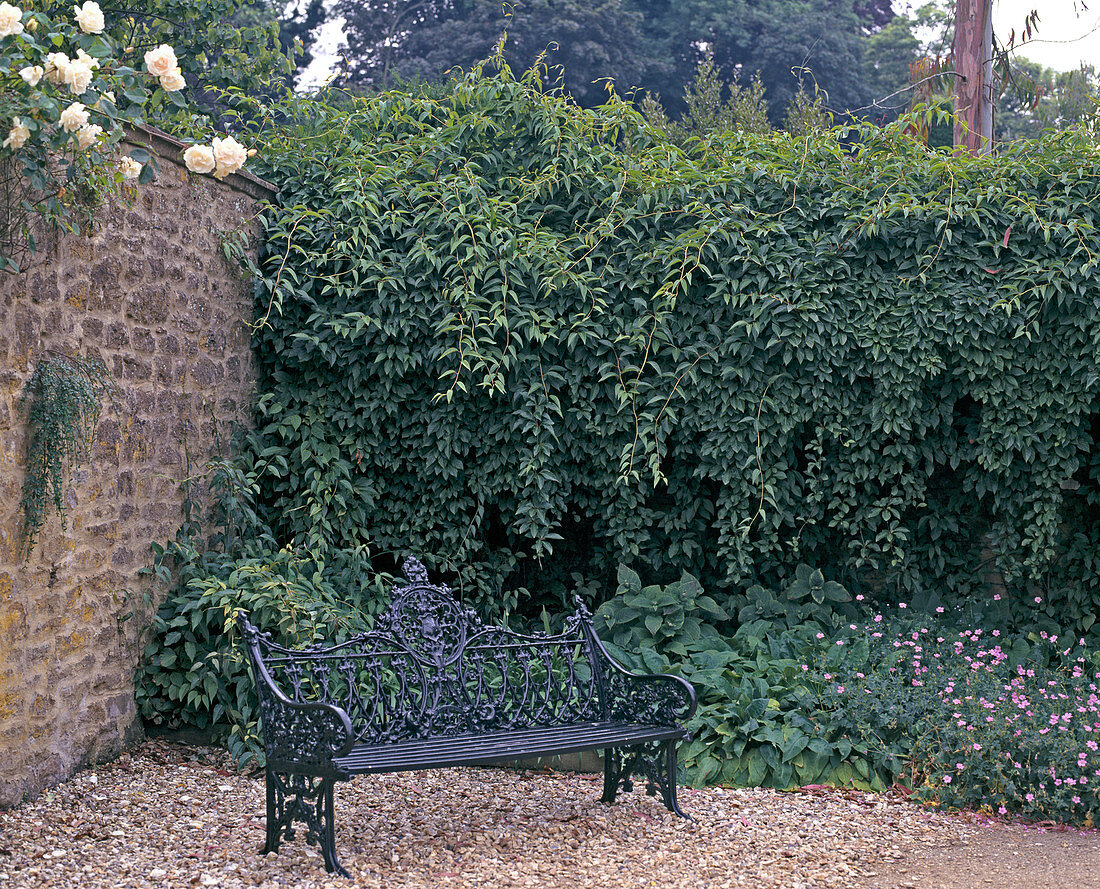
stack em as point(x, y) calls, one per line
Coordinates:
point(63, 398)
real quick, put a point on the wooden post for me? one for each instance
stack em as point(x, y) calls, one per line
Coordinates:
point(973, 52)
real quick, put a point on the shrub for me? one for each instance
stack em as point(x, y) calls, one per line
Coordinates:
point(985, 722)
point(194, 671)
point(765, 717)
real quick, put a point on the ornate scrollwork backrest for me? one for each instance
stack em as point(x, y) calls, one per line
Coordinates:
point(426, 619)
point(431, 667)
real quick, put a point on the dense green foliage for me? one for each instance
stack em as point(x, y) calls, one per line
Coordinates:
point(194, 672)
point(642, 45)
point(225, 48)
point(530, 341)
point(967, 718)
point(766, 716)
point(63, 399)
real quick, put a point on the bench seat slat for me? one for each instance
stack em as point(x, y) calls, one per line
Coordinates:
point(501, 746)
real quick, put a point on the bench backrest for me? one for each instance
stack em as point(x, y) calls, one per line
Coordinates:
point(431, 668)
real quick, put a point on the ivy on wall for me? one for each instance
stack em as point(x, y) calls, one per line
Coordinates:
point(63, 400)
point(531, 342)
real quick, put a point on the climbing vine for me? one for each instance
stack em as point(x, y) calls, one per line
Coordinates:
point(63, 399)
point(531, 342)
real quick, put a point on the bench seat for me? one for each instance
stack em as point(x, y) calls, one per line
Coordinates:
point(501, 747)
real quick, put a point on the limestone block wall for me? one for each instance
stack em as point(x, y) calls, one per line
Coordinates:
point(151, 295)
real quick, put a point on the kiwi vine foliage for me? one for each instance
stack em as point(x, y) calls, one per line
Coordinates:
point(529, 342)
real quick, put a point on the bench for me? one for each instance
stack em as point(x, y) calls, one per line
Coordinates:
point(431, 686)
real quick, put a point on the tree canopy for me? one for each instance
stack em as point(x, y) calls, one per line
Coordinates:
point(644, 46)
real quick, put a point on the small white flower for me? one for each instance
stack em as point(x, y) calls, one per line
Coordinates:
point(31, 74)
point(56, 64)
point(199, 159)
point(88, 60)
point(74, 117)
point(77, 76)
point(11, 20)
point(229, 154)
point(88, 135)
point(161, 61)
point(18, 135)
point(130, 168)
point(172, 81)
point(89, 17)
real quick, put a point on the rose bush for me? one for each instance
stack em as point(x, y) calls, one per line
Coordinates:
point(68, 89)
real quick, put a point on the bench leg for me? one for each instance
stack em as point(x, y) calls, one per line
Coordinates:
point(612, 772)
point(306, 799)
point(618, 767)
point(668, 789)
point(657, 765)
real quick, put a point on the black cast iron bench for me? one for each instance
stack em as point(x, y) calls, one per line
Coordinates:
point(431, 686)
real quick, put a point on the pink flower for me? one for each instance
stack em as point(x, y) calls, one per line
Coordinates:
point(946, 779)
point(939, 610)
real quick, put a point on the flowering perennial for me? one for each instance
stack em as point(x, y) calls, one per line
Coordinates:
point(62, 96)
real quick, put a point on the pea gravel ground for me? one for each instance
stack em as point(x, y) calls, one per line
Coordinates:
point(170, 815)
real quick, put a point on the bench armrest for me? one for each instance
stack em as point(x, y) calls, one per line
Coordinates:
point(305, 734)
point(651, 698)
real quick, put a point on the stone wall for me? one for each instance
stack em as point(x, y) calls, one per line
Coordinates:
point(152, 296)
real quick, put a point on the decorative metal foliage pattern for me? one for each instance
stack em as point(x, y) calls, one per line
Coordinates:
point(430, 668)
point(652, 700)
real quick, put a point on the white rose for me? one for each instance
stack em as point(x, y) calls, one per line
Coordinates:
point(18, 135)
point(56, 63)
point(87, 135)
point(172, 81)
point(73, 118)
point(11, 20)
point(229, 154)
point(130, 168)
point(89, 17)
point(31, 74)
point(82, 56)
point(199, 159)
point(161, 61)
point(77, 76)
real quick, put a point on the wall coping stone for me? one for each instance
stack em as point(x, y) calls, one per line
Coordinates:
point(162, 145)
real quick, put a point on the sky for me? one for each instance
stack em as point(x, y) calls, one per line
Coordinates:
point(1065, 37)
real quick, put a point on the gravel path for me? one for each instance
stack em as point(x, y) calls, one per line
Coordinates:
point(169, 815)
